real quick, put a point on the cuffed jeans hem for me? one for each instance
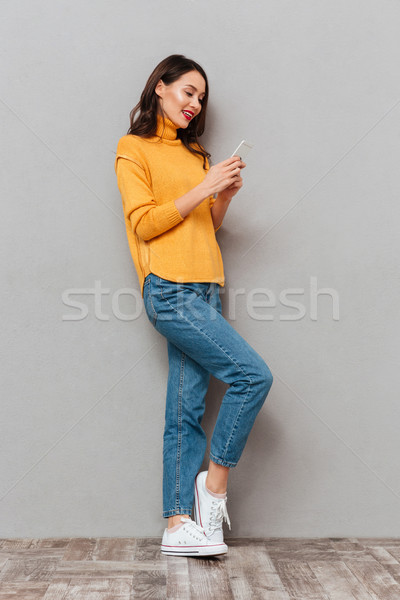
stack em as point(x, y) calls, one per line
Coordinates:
point(177, 511)
point(221, 461)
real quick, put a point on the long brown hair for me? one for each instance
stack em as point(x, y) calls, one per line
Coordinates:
point(169, 70)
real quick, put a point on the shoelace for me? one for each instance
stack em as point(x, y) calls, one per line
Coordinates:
point(199, 528)
point(220, 513)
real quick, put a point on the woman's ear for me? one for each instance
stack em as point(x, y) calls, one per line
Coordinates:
point(159, 88)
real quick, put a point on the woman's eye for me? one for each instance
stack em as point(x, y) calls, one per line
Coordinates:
point(200, 99)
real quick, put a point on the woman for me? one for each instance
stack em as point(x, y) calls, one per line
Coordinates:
point(171, 215)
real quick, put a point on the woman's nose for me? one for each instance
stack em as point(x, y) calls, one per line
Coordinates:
point(195, 105)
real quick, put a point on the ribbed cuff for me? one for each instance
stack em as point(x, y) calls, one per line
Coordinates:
point(172, 213)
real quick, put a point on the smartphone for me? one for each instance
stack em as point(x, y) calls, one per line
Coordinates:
point(243, 149)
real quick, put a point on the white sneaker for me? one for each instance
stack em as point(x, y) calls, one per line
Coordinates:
point(209, 511)
point(190, 540)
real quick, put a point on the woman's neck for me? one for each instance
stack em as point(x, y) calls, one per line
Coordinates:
point(166, 129)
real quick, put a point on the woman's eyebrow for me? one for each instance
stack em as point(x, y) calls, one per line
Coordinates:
point(192, 86)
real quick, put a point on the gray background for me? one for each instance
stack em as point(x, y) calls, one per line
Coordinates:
point(314, 85)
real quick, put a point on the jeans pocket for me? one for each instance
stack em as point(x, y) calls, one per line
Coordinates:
point(148, 304)
point(170, 290)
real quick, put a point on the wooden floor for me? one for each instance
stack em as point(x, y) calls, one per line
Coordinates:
point(273, 568)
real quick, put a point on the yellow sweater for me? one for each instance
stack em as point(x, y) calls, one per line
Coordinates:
point(151, 174)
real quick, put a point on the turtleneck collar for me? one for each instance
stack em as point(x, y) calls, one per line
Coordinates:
point(167, 130)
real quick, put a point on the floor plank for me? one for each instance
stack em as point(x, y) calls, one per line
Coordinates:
point(23, 590)
point(178, 585)
point(376, 579)
point(253, 569)
point(300, 581)
point(260, 571)
point(208, 578)
point(338, 581)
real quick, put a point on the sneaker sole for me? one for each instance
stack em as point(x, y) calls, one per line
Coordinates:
point(195, 551)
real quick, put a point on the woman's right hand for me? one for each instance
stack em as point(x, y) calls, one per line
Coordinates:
point(223, 174)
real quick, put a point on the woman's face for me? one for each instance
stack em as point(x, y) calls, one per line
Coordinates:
point(184, 94)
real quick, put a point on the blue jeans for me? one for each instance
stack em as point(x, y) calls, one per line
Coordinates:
point(201, 341)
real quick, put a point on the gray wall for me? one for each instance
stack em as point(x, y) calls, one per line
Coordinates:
point(314, 85)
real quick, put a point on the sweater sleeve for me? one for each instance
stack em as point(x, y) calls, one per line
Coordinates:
point(148, 219)
point(211, 199)
point(211, 202)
